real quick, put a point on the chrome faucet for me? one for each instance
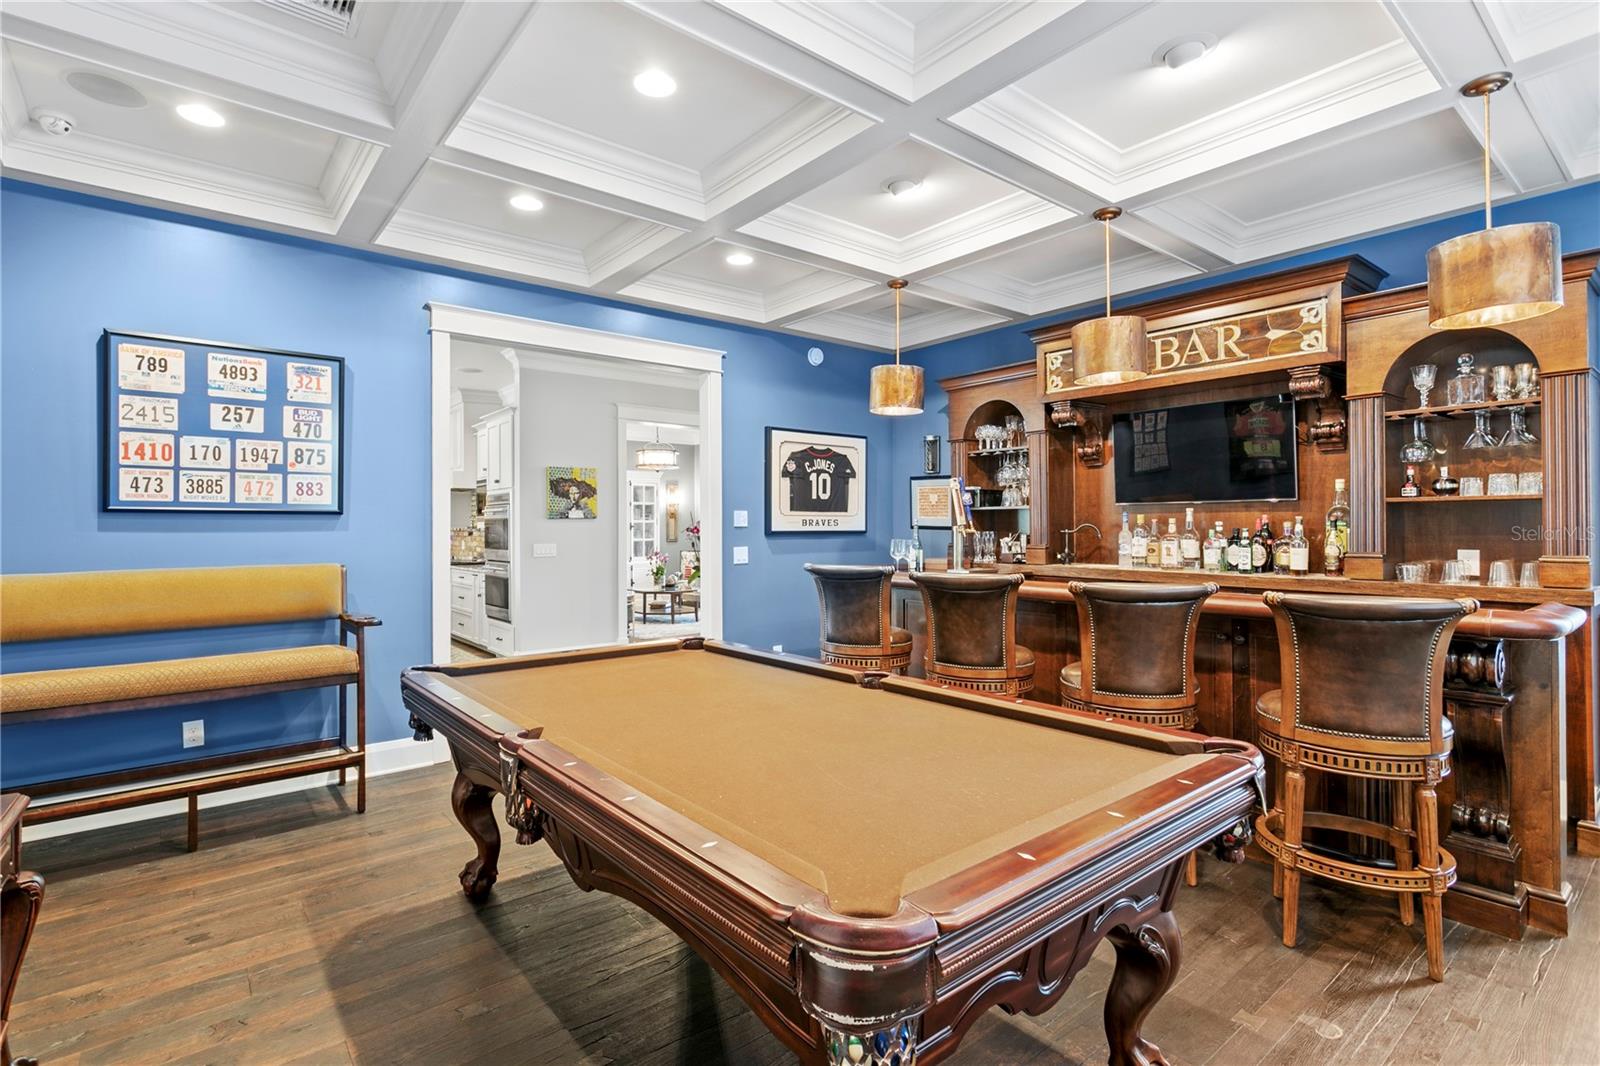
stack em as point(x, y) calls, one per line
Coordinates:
point(1068, 556)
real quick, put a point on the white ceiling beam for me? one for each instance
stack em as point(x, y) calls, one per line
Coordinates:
point(450, 78)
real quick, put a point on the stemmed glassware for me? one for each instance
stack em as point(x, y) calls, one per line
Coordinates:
point(1423, 376)
point(1527, 375)
point(1481, 437)
point(900, 550)
point(1518, 435)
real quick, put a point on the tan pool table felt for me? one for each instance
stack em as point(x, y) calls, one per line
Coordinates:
point(824, 779)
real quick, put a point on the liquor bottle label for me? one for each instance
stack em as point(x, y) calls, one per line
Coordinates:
point(1300, 559)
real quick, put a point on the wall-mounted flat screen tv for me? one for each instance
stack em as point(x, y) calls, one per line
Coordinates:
point(1207, 452)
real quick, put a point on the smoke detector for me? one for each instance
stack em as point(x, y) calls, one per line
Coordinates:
point(56, 123)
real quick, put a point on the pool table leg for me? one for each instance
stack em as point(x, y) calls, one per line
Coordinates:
point(1147, 962)
point(474, 807)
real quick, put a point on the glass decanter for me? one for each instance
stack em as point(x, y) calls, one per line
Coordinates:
point(1466, 386)
point(1419, 449)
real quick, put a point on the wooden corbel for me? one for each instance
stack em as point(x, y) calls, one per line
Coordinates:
point(1085, 418)
point(1327, 429)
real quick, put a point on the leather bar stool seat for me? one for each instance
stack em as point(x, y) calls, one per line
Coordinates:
point(1137, 640)
point(1362, 697)
point(855, 604)
point(972, 633)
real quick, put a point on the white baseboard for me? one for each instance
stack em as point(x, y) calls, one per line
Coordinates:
point(387, 757)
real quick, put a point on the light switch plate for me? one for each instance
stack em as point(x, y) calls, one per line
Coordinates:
point(544, 551)
point(1472, 558)
point(741, 519)
point(741, 555)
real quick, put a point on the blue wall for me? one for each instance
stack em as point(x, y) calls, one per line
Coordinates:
point(1401, 253)
point(72, 265)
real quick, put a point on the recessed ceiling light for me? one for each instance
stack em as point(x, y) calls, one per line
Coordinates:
point(526, 201)
point(901, 187)
point(740, 259)
point(655, 82)
point(1181, 51)
point(202, 115)
point(107, 90)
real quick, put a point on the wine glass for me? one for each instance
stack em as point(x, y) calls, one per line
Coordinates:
point(1481, 437)
point(899, 551)
point(1419, 449)
point(1527, 381)
point(1423, 376)
point(1518, 434)
point(1502, 382)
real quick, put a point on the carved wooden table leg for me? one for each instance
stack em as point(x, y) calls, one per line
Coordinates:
point(1147, 962)
point(474, 807)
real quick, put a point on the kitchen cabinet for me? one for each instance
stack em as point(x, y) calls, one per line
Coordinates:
point(466, 605)
point(499, 637)
point(468, 459)
point(496, 441)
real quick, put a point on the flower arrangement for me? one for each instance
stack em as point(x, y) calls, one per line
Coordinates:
point(658, 566)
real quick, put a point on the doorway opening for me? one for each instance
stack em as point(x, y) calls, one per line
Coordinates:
point(659, 450)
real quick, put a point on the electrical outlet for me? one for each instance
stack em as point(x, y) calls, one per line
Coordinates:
point(778, 648)
point(741, 519)
point(194, 733)
point(741, 555)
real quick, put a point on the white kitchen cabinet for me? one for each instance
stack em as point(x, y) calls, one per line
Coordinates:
point(500, 637)
point(469, 463)
point(466, 605)
point(480, 450)
point(498, 439)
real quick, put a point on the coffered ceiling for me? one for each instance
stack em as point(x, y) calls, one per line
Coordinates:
point(754, 185)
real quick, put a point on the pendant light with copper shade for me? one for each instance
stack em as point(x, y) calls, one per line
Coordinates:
point(1494, 276)
point(896, 387)
point(1113, 349)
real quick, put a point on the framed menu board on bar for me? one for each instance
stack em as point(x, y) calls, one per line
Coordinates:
point(190, 425)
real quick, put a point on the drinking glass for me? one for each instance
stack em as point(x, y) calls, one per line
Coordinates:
point(1472, 486)
point(1527, 380)
point(1481, 437)
point(1530, 576)
point(1423, 375)
point(1530, 483)
point(1503, 484)
point(1502, 382)
point(1411, 573)
point(1518, 436)
point(1419, 449)
point(1500, 573)
point(1455, 572)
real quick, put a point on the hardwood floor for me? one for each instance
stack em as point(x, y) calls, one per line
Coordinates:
point(301, 932)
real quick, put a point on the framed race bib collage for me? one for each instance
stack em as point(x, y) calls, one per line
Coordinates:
point(189, 425)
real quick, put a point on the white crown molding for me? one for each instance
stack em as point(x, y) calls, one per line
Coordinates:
point(814, 292)
point(1557, 100)
point(808, 130)
point(960, 36)
point(219, 42)
point(1030, 299)
point(558, 337)
point(625, 245)
point(538, 146)
point(866, 39)
point(1375, 81)
point(458, 242)
point(346, 174)
point(697, 294)
point(1523, 30)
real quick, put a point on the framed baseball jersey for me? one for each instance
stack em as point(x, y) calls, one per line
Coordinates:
point(816, 482)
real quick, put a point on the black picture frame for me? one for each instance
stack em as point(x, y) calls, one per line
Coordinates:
point(930, 481)
point(108, 430)
point(855, 518)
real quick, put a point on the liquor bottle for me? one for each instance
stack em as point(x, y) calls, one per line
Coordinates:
point(917, 557)
point(1261, 547)
point(1137, 542)
point(1336, 531)
point(1411, 488)
point(1171, 553)
point(1237, 554)
point(1125, 543)
point(1189, 542)
point(1212, 552)
point(1280, 552)
point(1299, 549)
point(1152, 547)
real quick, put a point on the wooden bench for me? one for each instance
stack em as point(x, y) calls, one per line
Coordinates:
point(52, 607)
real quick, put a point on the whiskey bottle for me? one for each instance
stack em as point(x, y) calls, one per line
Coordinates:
point(1336, 531)
point(1299, 549)
point(1137, 543)
point(1410, 487)
point(1280, 553)
point(1189, 542)
point(1171, 554)
point(1212, 553)
point(1152, 547)
point(1125, 543)
point(1261, 547)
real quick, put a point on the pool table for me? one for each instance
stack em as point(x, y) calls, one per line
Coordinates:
point(870, 861)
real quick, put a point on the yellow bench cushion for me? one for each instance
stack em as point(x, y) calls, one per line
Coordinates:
point(43, 689)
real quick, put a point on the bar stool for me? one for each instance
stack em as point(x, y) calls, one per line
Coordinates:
point(856, 631)
point(1362, 697)
point(972, 632)
point(1137, 642)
